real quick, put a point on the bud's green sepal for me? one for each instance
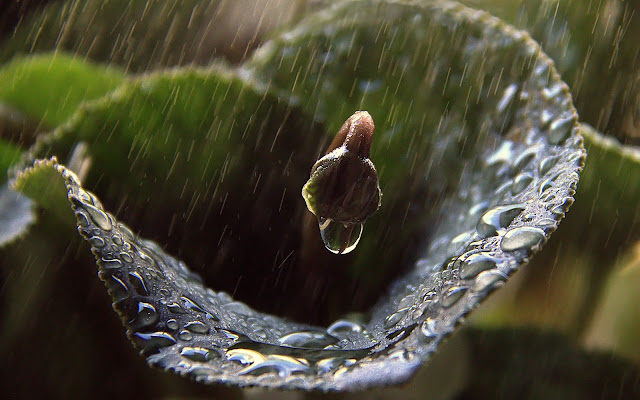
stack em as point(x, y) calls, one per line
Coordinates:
point(343, 187)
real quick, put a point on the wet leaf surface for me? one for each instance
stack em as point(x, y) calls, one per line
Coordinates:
point(595, 48)
point(488, 161)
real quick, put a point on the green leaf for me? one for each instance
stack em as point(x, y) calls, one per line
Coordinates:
point(42, 183)
point(50, 87)
point(478, 153)
point(9, 155)
point(512, 363)
point(452, 92)
point(611, 181)
point(616, 321)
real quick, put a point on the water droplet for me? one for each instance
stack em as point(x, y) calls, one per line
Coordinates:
point(97, 241)
point(230, 335)
point(460, 241)
point(561, 127)
point(394, 318)
point(429, 328)
point(397, 335)
point(197, 327)
point(525, 237)
point(307, 339)
point(545, 118)
point(147, 315)
point(524, 159)
point(498, 217)
point(327, 364)
point(117, 240)
point(505, 109)
point(99, 217)
point(542, 70)
point(521, 182)
point(172, 324)
point(478, 208)
point(284, 366)
point(126, 258)
point(111, 263)
point(502, 155)
point(138, 283)
point(476, 263)
point(451, 263)
point(176, 308)
point(185, 335)
point(343, 327)
point(547, 222)
point(402, 354)
point(548, 163)
point(155, 340)
point(94, 200)
point(200, 354)
point(117, 289)
point(550, 92)
point(144, 256)
point(340, 238)
point(82, 219)
point(548, 183)
point(507, 97)
point(245, 356)
point(331, 363)
point(452, 296)
point(259, 334)
point(407, 301)
point(488, 280)
point(192, 305)
point(502, 189)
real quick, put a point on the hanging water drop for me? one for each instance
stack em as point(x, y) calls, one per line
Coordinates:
point(340, 238)
point(343, 190)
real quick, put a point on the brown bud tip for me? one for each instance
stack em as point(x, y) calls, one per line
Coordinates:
point(356, 134)
point(360, 134)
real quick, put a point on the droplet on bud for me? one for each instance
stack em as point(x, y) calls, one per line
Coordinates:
point(339, 238)
point(343, 190)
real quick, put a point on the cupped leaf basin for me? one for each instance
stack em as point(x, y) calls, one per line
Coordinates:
point(477, 149)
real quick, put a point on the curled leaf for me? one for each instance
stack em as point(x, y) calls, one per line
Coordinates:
point(486, 160)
